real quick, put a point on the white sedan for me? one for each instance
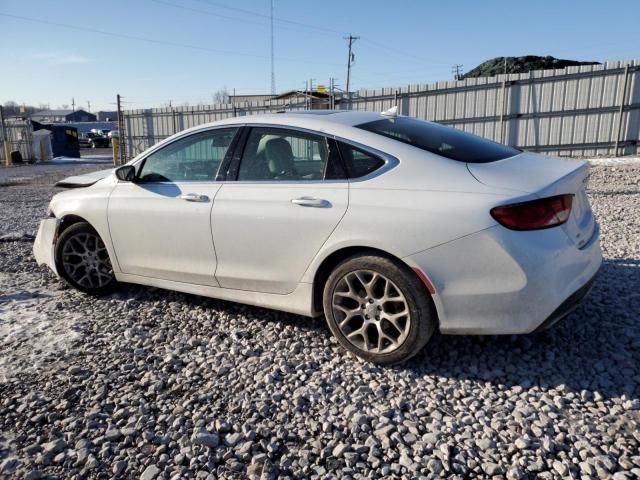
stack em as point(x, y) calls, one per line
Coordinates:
point(391, 226)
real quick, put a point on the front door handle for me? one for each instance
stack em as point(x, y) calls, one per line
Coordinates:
point(311, 202)
point(194, 197)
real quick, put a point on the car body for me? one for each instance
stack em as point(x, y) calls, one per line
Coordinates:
point(238, 231)
point(94, 140)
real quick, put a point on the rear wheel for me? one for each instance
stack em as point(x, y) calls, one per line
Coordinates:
point(83, 261)
point(378, 309)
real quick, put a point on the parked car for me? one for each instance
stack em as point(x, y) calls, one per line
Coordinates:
point(391, 226)
point(94, 140)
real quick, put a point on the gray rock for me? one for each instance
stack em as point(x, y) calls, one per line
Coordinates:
point(9, 465)
point(54, 447)
point(150, 472)
point(211, 440)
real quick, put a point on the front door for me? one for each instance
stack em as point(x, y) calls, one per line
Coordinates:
point(269, 224)
point(160, 223)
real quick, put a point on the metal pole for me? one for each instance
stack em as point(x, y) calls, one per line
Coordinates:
point(273, 71)
point(504, 104)
point(621, 110)
point(351, 39)
point(5, 139)
point(121, 139)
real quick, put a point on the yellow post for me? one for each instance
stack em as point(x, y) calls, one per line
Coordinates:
point(42, 152)
point(7, 153)
point(114, 144)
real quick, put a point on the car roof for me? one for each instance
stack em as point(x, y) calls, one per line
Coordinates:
point(321, 120)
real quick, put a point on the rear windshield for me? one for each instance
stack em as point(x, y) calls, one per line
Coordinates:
point(445, 141)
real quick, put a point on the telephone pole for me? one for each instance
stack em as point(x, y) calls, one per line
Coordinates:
point(457, 72)
point(351, 39)
point(89, 106)
point(73, 104)
point(273, 71)
point(122, 155)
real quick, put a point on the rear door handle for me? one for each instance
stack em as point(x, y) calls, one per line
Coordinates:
point(194, 197)
point(311, 202)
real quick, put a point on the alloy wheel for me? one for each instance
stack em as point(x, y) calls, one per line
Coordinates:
point(86, 260)
point(371, 311)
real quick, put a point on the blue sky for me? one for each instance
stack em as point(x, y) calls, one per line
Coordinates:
point(209, 47)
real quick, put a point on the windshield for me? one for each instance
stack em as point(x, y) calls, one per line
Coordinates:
point(441, 140)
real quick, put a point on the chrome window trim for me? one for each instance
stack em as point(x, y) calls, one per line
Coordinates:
point(182, 136)
point(390, 161)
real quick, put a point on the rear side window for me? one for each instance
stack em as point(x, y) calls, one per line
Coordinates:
point(358, 162)
point(441, 140)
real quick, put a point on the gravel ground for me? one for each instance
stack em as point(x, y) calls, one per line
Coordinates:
point(150, 384)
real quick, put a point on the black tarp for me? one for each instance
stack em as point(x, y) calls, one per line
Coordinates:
point(64, 139)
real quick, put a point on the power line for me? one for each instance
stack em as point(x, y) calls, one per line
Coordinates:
point(277, 19)
point(157, 41)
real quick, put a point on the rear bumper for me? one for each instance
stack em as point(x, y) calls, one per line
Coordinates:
point(568, 306)
point(44, 244)
point(499, 281)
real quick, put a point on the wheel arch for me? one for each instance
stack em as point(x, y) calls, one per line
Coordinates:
point(334, 258)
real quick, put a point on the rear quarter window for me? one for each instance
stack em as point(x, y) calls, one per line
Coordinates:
point(358, 162)
point(439, 139)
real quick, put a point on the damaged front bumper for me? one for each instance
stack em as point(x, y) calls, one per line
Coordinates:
point(44, 244)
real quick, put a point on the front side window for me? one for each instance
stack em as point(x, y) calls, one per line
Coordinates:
point(280, 154)
point(441, 140)
point(192, 159)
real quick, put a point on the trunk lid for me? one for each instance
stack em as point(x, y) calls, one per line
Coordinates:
point(544, 177)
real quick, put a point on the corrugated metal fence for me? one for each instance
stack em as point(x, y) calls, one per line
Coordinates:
point(19, 138)
point(578, 111)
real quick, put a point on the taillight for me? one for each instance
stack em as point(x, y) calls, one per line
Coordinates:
point(536, 214)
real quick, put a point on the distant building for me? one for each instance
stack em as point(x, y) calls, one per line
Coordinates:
point(248, 98)
point(107, 116)
point(51, 116)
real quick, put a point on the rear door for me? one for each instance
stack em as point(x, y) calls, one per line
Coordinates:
point(281, 205)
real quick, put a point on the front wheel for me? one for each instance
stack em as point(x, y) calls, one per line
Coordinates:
point(83, 261)
point(378, 309)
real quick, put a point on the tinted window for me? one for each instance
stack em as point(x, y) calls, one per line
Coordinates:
point(279, 154)
point(192, 159)
point(445, 141)
point(358, 162)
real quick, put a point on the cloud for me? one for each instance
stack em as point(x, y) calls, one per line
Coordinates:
point(60, 58)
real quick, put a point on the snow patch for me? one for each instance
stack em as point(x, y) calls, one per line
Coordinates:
point(31, 337)
point(613, 161)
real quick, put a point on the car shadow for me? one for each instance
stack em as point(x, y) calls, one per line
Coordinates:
point(594, 349)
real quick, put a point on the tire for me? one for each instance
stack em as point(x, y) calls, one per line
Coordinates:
point(81, 246)
point(364, 280)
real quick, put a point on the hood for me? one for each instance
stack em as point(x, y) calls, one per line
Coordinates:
point(86, 180)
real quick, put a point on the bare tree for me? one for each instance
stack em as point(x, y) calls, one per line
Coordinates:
point(221, 96)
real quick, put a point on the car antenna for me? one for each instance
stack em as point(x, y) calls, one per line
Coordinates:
point(392, 112)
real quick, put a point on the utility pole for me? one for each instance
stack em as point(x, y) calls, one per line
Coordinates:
point(73, 104)
point(88, 106)
point(332, 99)
point(122, 156)
point(351, 39)
point(457, 72)
point(273, 71)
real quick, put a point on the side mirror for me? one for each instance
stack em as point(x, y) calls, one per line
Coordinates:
point(126, 173)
